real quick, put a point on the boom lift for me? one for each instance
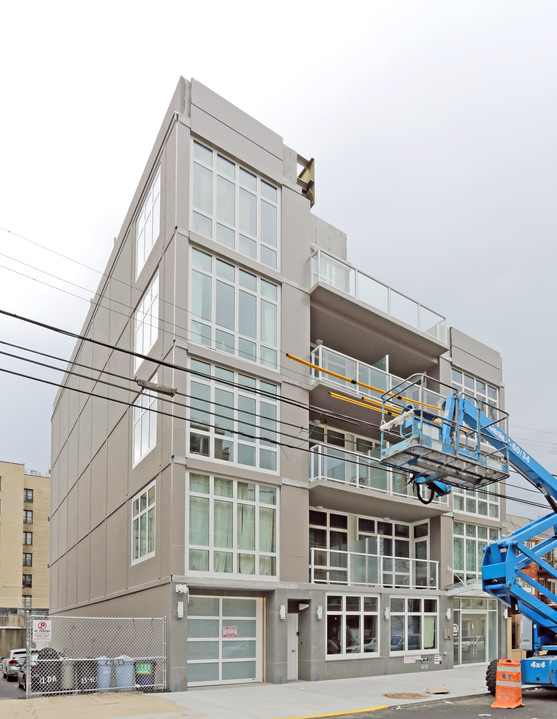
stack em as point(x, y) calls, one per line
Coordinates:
point(460, 442)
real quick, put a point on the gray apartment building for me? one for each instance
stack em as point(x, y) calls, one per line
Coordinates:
point(213, 478)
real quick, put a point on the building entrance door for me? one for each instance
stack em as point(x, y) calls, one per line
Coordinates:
point(473, 643)
point(292, 647)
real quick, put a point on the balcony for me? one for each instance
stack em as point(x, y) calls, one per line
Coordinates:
point(353, 469)
point(373, 380)
point(329, 270)
point(333, 566)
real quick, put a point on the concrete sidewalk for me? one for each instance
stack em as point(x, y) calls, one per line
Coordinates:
point(259, 701)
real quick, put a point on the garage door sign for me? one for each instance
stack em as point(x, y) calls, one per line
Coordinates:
point(230, 631)
point(42, 630)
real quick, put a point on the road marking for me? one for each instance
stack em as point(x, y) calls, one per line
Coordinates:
point(338, 714)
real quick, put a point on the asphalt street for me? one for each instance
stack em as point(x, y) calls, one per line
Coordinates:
point(539, 704)
point(10, 690)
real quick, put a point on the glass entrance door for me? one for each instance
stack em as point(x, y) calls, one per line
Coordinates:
point(473, 643)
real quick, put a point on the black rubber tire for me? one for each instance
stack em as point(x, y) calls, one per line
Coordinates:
point(491, 676)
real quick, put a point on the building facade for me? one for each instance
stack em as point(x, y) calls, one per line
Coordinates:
point(215, 478)
point(24, 549)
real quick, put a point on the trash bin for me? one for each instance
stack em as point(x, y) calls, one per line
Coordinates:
point(104, 673)
point(67, 675)
point(47, 675)
point(145, 674)
point(85, 675)
point(123, 670)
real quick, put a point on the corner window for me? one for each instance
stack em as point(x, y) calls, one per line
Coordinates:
point(486, 395)
point(232, 526)
point(147, 226)
point(144, 423)
point(483, 502)
point(352, 625)
point(146, 320)
point(143, 524)
point(413, 624)
point(235, 207)
point(234, 311)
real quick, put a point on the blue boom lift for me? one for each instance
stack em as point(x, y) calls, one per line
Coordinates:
point(457, 441)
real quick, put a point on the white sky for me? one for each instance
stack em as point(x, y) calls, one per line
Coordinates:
point(432, 124)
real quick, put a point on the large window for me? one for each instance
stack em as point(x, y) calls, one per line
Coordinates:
point(27, 495)
point(143, 524)
point(235, 207)
point(233, 310)
point(413, 624)
point(483, 502)
point(146, 320)
point(232, 526)
point(27, 559)
point(27, 516)
point(469, 542)
point(233, 417)
point(27, 582)
point(486, 394)
point(144, 423)
point(147, 226)
point(352, 625)
point(27, 537)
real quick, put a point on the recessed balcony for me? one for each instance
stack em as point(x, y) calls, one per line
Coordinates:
point(333, 566)
point(351, 309)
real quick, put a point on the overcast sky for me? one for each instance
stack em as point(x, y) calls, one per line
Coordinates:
point(433, 125)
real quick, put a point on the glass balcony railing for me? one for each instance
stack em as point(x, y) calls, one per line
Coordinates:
point(331, 271)
point(332, 566)
point(377, 380)
point(359, 470)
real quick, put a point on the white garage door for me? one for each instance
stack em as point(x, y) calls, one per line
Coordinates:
point(225, 640)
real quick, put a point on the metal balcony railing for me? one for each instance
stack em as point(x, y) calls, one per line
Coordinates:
point(333, 566)
point(330, 270)
point(358, 470)
point(378, 380)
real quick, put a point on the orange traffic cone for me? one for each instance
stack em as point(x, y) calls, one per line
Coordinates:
point(508, 692)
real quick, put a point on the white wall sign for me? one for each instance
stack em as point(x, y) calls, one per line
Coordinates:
point(42, 630)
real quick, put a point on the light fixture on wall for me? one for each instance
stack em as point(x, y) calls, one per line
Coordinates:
point(448, 613)
point(282, 611)
point(506, 613)
point(386, 612)
point(319, 611)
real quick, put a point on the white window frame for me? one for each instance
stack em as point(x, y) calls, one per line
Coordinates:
point(343, 613)
point(235, 550)
point(406, 614)
point(147, 225)
point(137, 512)
point(207, 414)
point(234, 175)
point(471, 501)
point(230, 339)
point(487, 397)
point(471, 533)
point(146, 320)
point(144, 421)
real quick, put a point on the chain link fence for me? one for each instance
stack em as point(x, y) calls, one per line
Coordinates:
point(74, 655)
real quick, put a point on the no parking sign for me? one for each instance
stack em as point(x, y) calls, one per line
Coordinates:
point(42, 630)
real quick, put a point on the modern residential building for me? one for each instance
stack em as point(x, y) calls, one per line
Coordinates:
point(24, 548)
point(212, 478)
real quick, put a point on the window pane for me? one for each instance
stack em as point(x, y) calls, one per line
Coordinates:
point(248, 213)
point(201, 295)
point(268, 224)
point(268, 323)
point(225, 201)
point(202, 189)
point(199, 521)
point(225, 310)
point(203, 154)
point(247, 314)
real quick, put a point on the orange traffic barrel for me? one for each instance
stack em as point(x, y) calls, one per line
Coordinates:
point(508, 691)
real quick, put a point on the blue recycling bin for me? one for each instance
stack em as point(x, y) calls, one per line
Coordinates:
point(104, 673)
point(123, 671)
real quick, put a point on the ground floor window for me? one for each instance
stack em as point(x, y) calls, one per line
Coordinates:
point(352, 625)
point(413, 624)
point(474, 630)
point(225, 643)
